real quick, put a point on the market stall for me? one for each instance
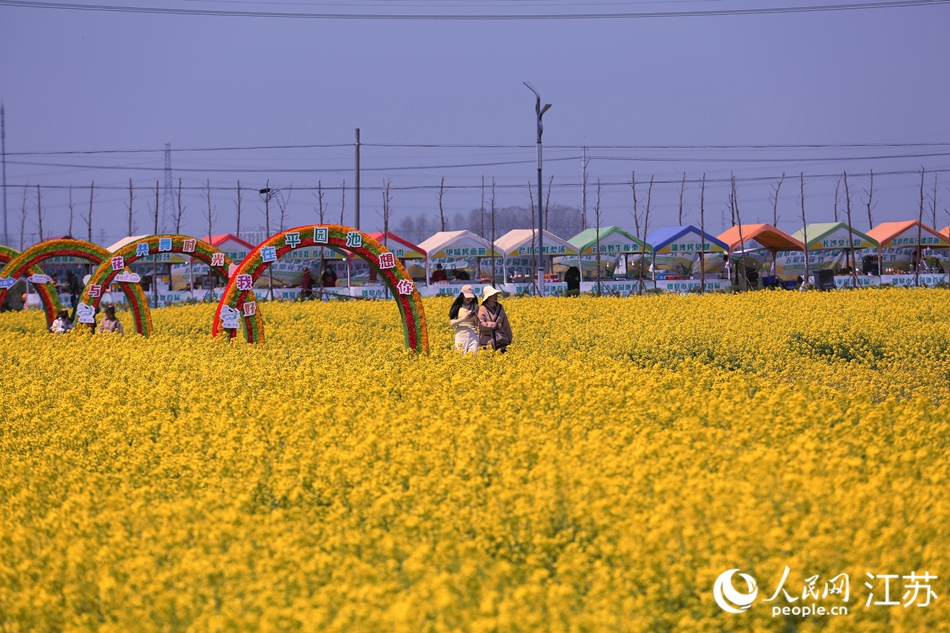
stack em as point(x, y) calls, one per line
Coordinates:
point(912, 253)
point(455, 258)
point(620, 255)
point(519, 248)
point(679, 256)
point(837, 254)
point(755, 248)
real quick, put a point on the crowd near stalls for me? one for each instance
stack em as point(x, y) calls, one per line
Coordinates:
point(610, 260)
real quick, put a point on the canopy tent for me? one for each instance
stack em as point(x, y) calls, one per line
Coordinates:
point(834, 235)
point(404, 250)
point(457, 250)
point(519, 247)
point(614, 242)
point(901, 238)
point(679, 247)
point(756, 238)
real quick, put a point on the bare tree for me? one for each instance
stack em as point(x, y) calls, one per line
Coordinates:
point(210, 214)
point(933, 204)
point(88, 218)
point(180, 211)
point(282, 202)
point(72, 211)
point(442, 212)
point(584, 199)
point(804, 229)
point(387, 210)
point(155, 212)
point(646, 214)
point(702, 229)
point(237, 207)
point(682, 191)
point(39, 212)
point(869, 192)
point(131, 211)
point(342, 202)
point(636, 227)
point(534, 231)
point(847, 202)
point(547, 205)
point(481, 209)
point(732, 202)
point(773, 197)
point(735, 203)
point(837, 187)
point(494, 210)
point(23, 210)
point(321, 207)
point(597, 219)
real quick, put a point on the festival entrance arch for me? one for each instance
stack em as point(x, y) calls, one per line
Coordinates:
point(48, 298)
point(80, 249)
point(234, 304)
point(149, 246)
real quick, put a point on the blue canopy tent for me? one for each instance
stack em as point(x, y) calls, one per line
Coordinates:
point(680, 245)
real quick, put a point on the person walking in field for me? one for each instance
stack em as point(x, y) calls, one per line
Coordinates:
point(62, 324)
point(111, 323)
point(493, 326)
point(463, 316)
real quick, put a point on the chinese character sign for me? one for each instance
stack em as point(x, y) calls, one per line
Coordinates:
point(321, 234)
point(405, 287)
point(118, 263)
point(217, 259)
point(244, 282)
point(164, 244)
point(387, 260)
point(292, 239)
point(354, 239)
point(269, 254)
point(188, 246)
point(141, 250)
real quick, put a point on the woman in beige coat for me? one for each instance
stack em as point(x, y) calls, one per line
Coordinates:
point(494, 330)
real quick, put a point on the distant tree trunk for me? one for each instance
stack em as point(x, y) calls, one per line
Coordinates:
point(180, 211)
point(72, 210)
point(837, 186)
point(547, 206)
point(702, 229)
point(646, 218)
point(342, 203)
point(210, 217)
point(636, 227)
point(682, 191)
point(131, 212)
point(26, 193)
point(847, 202)
point(870, 194)
point(282, 203)
point(442, 211)
point(155, 213)
point(534, 234)
point(774, 198)
point(920, 221)
point(735, 204)
point(88, 218)
point(39, 212)
point(804, 229)
point(237, 207)
point(481, 209)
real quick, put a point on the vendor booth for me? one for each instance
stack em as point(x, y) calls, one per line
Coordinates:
point(912, 253)
point(519, 248)
point(679, 256)
point(755, 248)
point(456, 258)
point(621, 255)
point(838, 256)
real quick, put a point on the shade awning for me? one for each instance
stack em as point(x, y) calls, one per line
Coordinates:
point(684, 240)
point(904, 234)
point(456, 244)
point(524, 242)
point(613, 240)
point(834, 235)
point(755, 236)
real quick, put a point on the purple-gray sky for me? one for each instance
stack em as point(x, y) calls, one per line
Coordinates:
point(88, 81)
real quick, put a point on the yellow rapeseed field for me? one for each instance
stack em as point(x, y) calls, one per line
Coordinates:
point(598, 477)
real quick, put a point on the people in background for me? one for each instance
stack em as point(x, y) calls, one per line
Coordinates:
point(62, 324)
point(111, 323)
point(573, 279)
point(463, 316)
point(328, 278)
point(460, 274)
point(306, 283)
point(439, 274)
point(493, 326)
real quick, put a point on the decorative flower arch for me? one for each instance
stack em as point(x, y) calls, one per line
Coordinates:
point(150, 246)
point(80, 249)
point(234, 304)
point(49, 298)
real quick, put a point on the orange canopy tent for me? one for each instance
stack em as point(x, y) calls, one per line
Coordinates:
point(760, 237)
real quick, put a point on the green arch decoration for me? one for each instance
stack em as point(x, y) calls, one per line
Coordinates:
point(147, 247)
point(49, 298)
point(233, 304)
point(79, 249)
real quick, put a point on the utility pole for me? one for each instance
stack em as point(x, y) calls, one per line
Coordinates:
point(356, 213)
point(540, 113)
point(3, 143)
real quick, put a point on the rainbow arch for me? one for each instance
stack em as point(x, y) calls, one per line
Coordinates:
point(150, 246)
point(49, 298)
point(234, 304)
point(79, 249)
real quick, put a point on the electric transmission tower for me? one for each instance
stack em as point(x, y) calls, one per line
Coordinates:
point(167, 194)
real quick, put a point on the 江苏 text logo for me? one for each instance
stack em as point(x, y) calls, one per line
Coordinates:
point(728, 598)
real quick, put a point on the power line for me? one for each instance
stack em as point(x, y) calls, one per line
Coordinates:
point(701, 13)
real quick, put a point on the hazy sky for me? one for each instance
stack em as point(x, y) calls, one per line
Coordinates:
point(93, 82)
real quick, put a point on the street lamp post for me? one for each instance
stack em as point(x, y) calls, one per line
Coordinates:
point(267, 194)
point(540, 112)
